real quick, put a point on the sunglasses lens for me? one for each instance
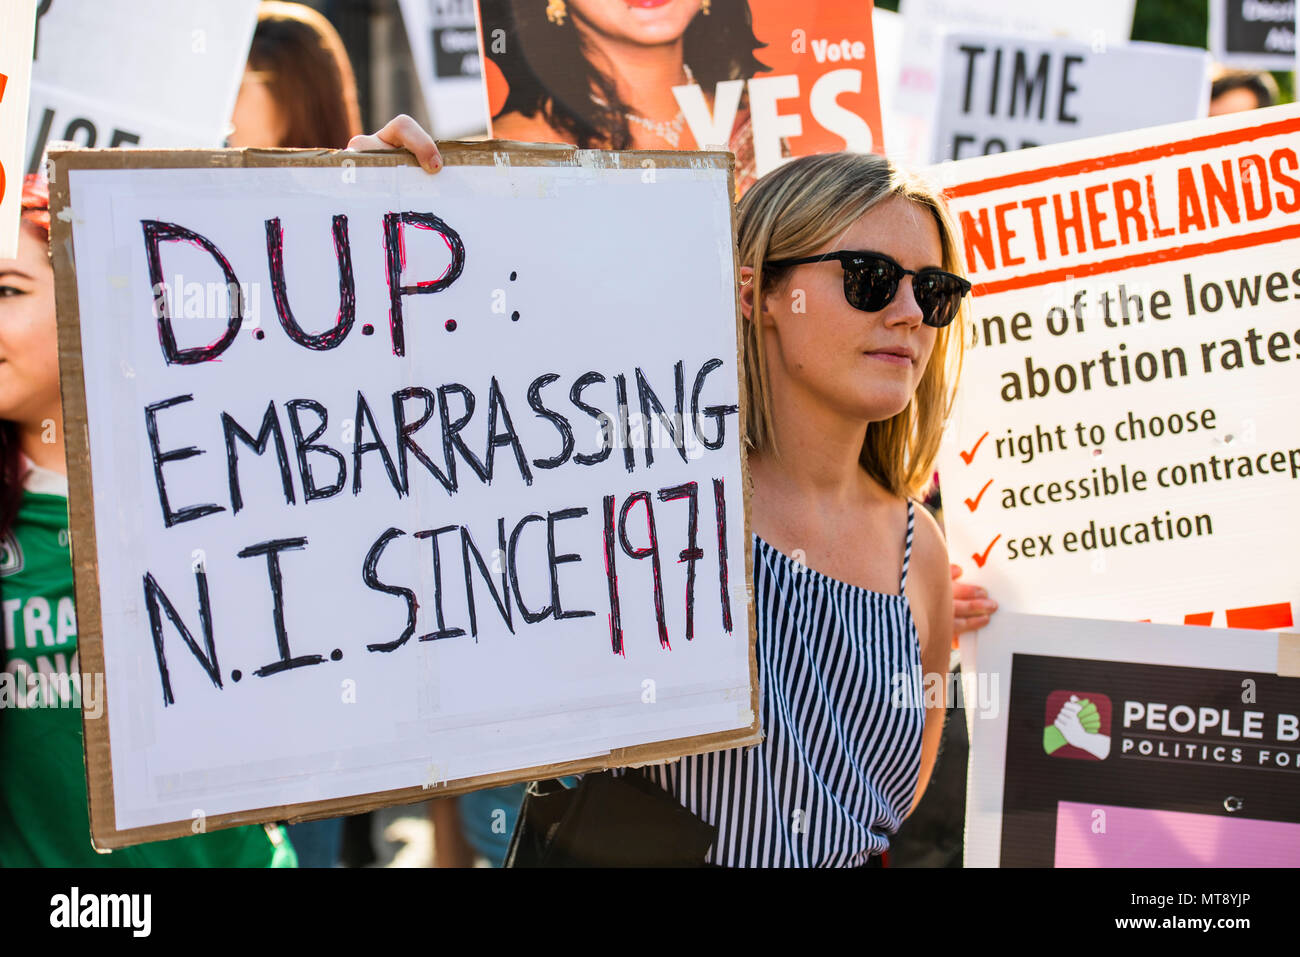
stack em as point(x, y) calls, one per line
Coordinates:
point(870, 284)
point(939, 295)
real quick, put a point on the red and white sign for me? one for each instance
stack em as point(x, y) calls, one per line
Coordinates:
point(1125, 444)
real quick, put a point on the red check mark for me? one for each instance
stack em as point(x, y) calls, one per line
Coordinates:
point(968, 456)
point(976, 504)
point(981, 559)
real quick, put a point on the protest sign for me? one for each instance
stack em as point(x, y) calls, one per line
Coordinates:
point(1000, 92)
point(17, 21)
point(444, 46)
point(152, 73)
point(1120, 744)
point(472, 514)
point(1254, 34)
point(1100, 25)
point(763, 78)
point(887, 36)
point(1124, 443)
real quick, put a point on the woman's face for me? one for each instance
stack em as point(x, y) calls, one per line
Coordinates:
point(257, 120)
point(647, 22)
point(864, 365)
point(29, 350)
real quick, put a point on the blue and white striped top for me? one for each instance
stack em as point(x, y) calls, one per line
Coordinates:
point(839, 673)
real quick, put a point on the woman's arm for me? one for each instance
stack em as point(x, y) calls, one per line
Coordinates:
point(930, 588)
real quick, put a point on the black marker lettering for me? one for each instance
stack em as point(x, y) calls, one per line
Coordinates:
point(405, 442)
point(157, 602)
point(156, 233)
point(347, 313)
point(395, 250)
point(301, 446)
point(443, 631)
point(500, 598)
point(371, 578)
point(531, 617)
point(272, 550)
point(161, 458)
point(607, 440)
point(270, 430)
point(360, 448)
point(554, 561)
point(560, 422)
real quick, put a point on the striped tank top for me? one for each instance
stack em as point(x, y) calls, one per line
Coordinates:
point(839, 673)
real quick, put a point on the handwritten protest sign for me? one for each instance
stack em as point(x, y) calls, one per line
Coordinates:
point(764, 78)
point(444, 46)
point(153, 73)
point(1000, 92)
point(1122, 744)
point(1125, 444)
point(1254, 34)
point(383, 481)
point(17, 21)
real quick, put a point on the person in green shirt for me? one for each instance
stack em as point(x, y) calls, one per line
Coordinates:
point(44, 821)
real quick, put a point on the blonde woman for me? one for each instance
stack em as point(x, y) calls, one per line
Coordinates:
point(849, 288)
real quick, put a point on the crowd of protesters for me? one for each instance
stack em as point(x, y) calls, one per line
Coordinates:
point(831, 467)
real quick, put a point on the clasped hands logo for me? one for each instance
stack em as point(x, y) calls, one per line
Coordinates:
point(1077, 725)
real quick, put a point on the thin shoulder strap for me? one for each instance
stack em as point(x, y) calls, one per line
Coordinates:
point(907, 547)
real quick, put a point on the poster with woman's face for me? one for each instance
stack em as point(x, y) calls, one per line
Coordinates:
point(767, 79)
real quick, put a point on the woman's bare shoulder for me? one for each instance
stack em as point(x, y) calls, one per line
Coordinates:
point(525, 129)
point(929, 548)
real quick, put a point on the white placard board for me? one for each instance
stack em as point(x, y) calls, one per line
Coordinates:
point(17, 22)
point(1189, 755)
point(1254, 34)
point(1000, 92)
point(1125, 444)
point(149, 73)
point(1100, 25)
point(437, 542)
point(444, 46)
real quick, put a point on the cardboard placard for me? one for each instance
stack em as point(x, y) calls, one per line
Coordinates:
point(762, 78)
point(454, 497)
point(17, 23)
point(99, 80)
point(1254, 34)
point(1124, 443)
point(1110, 744)
point(999, 92)
point(444, 45)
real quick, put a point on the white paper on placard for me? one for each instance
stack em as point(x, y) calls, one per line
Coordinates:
point(150, 73)
point(17, 22)
point(549, 323)
point(1100, 25)
point(444, 45)
point(1254, 34)
point(1124, 444)
point(1183, 718)
point(999, 93)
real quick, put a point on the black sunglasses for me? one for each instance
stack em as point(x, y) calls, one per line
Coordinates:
point(871, 282)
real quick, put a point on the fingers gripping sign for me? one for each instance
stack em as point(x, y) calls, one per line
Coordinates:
point(402, 133)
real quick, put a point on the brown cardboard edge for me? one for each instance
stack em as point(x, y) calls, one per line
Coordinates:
point(1288, 655)
point(99, 772)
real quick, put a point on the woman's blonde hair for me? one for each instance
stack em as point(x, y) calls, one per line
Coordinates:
point(792, 212)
